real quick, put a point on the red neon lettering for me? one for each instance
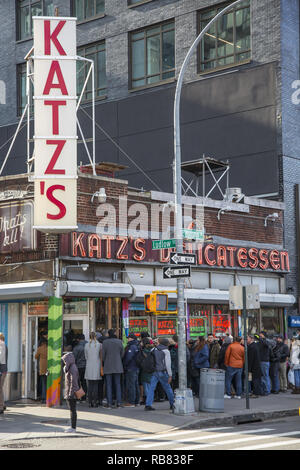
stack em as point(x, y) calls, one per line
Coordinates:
point(55, 120)
point(55, 69)
point(263, 257)
point(284, 258)
point(139, 249)
point(50, 170)
point(53, 37)
point(242, 255)
point(108, 239)
point(231, 250)
point(274, 259)
point(94, 244)
point(252, 255)
point(56, 202)
point(120, 254)
point(77, 243)
point(221, 256)
point(206, 257)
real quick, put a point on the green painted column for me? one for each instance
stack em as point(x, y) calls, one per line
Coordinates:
point(55, 326)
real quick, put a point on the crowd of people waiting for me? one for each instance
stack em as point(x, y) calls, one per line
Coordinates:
point(146, 370)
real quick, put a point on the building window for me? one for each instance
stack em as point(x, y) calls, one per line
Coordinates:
point(26, 9)
point(228, 41)
point(152, 55)
point(137, 2)
point(95, 52)
point(87, 9)
point(21, 90)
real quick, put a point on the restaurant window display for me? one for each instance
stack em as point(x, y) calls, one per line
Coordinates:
point(271, 320)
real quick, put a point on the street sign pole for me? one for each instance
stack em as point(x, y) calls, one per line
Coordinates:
point(246, 348)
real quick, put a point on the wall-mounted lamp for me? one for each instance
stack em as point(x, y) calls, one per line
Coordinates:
point(84, 267)
point(116, 274)
point(271, 217)
point(222, 211)
point(100, 194)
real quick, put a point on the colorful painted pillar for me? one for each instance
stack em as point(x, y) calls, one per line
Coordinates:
point(55, 326)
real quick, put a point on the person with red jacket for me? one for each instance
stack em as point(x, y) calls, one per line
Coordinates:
point(234, 362)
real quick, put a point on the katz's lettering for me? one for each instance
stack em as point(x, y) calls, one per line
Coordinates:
point(55, 208)
point(84, 245)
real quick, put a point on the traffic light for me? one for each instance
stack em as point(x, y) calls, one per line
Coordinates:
point(156, 303)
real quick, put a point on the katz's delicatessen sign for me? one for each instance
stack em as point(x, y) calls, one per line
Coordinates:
point(55, 128)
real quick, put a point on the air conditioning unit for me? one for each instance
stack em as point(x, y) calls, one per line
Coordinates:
point(234, 195)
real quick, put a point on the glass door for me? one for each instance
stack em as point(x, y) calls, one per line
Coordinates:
point(74, 325)
point(32, 341)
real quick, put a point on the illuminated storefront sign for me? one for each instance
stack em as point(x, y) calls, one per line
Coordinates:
point(55, 139)
point(138, 325)
point(91, 245)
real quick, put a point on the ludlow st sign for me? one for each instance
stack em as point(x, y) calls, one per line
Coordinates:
point(121, 248)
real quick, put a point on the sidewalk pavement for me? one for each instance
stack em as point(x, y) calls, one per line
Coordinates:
point(31, 420)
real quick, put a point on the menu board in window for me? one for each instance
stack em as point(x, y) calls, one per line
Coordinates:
point(38, 308)
point(138, 325)
point(198, 326)
point(166, 326)
point(221, 325)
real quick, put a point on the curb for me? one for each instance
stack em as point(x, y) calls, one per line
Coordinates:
point(245, 418)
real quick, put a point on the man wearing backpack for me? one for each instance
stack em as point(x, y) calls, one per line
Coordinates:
point(162, 374)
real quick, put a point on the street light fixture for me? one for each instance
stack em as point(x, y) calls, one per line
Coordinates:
point(184, 403)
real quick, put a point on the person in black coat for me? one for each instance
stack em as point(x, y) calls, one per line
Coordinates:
point(254, 367)
point(221, 359)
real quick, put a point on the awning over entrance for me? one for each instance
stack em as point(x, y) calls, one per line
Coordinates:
point(137, 292)
point(26, 290)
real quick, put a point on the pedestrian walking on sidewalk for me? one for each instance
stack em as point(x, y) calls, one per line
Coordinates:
point(284, 354)
point(162, 374)
point(112, 354)
point(3, 370)
point(71, 386)
point(234, 362)
point(42, 356)
point(92, 351)
point(131, 370)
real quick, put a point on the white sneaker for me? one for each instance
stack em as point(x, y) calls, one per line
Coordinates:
point(70, 430)
point(227, 396)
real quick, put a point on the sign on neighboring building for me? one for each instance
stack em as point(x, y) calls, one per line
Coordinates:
point(55, 128)
point(16, 233)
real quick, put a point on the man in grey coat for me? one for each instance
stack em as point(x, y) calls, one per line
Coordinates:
point(112, 354)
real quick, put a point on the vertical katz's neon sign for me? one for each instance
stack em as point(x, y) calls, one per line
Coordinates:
point(55, 139)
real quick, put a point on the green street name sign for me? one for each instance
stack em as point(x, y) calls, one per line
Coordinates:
point(160, 244)
point(193, 234)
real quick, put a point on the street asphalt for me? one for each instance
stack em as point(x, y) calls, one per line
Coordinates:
point(31, 420)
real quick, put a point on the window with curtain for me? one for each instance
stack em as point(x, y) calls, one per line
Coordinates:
point(152, 54)
point(26, 9)
point(87, 9)
point(228, 41)
point(95, 52)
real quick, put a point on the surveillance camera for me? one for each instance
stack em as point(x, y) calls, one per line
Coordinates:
point(84, 267)
point(142, 275)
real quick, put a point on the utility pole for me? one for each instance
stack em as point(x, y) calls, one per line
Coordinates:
point(184, 403)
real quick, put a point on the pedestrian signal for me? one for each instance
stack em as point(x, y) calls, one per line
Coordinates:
point(156, 303)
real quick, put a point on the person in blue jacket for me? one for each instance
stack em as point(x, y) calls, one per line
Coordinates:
point(201, 357)
point(131, 370)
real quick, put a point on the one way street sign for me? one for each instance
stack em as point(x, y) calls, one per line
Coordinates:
point(171, 272)
point(182, 258)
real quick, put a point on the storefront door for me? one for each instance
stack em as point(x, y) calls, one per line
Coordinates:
point(32, 342)
point(72, 326)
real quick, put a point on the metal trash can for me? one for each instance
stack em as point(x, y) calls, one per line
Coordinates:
point(211, 392)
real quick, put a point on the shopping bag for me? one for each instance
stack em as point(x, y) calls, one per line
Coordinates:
point(291, 377)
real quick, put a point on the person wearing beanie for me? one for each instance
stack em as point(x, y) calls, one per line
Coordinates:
point(162, 374)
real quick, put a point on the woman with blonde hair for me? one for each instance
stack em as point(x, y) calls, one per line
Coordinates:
point(92, 351)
